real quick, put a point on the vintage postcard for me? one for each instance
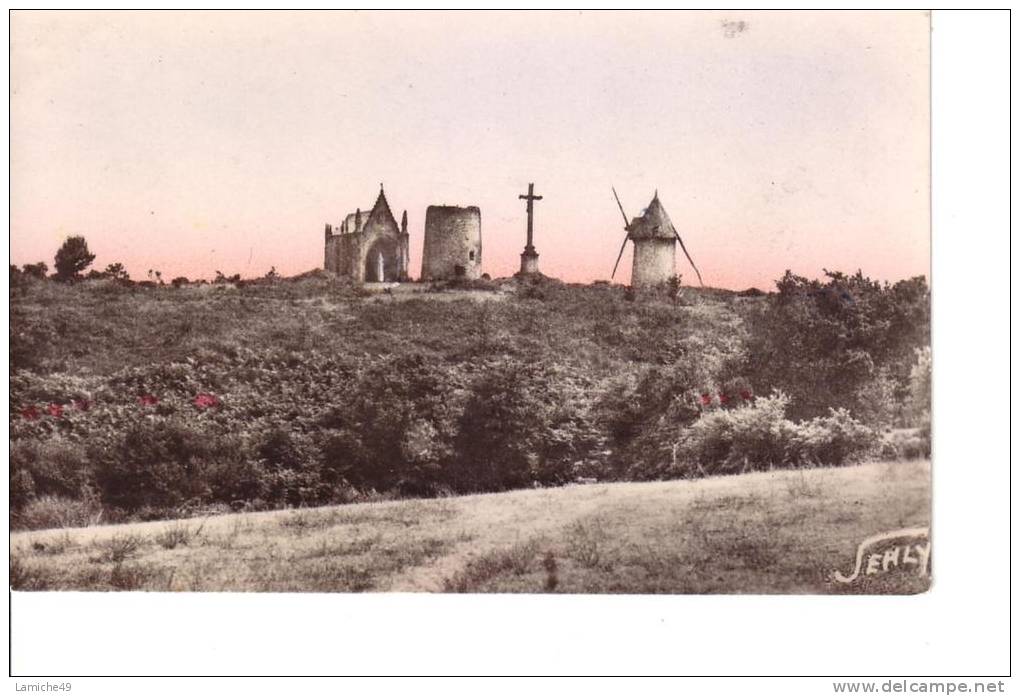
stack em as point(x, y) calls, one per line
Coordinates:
point(470, 302)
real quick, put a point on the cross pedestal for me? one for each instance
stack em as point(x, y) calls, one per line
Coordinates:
point(529, 260)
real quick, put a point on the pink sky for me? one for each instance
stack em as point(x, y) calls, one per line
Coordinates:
point(195, 142)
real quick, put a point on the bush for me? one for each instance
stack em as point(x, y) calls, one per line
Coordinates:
point(119, 548)
point(643, 416)
point(726, 441)
point(287, 471)
point(906, 443)
point(52, 512)
point(497, 431)
point(175, 535)
point(848, 342)
point(35, 270)
point(22, 486)
point(53, 467)
point(395, 427)
point(524, 424)
point(832, 440)
point(115, 271)
point(162, 464)
point(758, 437)
point(920, 386)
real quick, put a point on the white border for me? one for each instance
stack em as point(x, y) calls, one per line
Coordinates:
point(960, 627)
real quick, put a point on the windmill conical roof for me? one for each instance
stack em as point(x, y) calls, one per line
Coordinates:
point(654, 223)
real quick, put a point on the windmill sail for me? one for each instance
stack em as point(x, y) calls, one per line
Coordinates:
point(625, 236)
point(622, 247)
point(682, 246)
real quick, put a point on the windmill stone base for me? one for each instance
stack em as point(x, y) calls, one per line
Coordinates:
point(654, 262)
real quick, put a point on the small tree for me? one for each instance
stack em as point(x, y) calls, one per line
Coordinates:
point(72, 258)
point(674, 284)
point(116, 271)
point(35, 270)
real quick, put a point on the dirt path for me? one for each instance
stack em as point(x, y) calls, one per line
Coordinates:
point(515, 518)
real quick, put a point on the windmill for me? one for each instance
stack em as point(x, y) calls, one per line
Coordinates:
point(654, 239)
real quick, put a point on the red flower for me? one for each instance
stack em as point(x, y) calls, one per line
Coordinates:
point(56, 410)
point(723, 399)
point(30, 413)
point(148, 400)
point(746, 394)
point(81, 404)
point(706, 399)
point(206, 401)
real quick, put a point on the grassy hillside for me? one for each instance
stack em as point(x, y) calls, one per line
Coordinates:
point(769, 532)
point(133, 402)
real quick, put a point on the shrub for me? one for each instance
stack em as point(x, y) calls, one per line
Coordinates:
point(118, 548)
point(905, 443)
point(132, 576)
point(26, 576)
point(54, 467)
point(177, 535)
point(825, 343)
point(115, 271)
point(832, 440)
point(394, 429)
point(162, 464)
point(552, 579)
point(52, 512)
point(920, 399)
point(758, 436)
point(748, 438)
point(521, 424)
point(288, 470)
point(643, 413)
point(35, 270)
point(516, 559)
point(279, 450)
point(586, 542)
point(22, 486)
point(875, 402)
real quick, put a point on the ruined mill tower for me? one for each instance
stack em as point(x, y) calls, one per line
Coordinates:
point(453, 242)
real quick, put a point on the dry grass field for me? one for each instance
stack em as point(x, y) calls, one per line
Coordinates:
point(771, 532)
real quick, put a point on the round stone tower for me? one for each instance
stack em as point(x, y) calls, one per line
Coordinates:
point(453, 243)
point(654, 262)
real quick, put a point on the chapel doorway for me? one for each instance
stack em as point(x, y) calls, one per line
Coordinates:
point(381, 263)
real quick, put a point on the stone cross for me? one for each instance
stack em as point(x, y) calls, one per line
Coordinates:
point(530, 198)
